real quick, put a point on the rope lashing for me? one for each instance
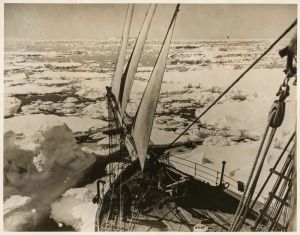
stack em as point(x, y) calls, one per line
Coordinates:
point(275, 119)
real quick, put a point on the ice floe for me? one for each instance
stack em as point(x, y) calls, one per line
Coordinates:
point(13, 202)
point(41, 170)
point(28, 89)
point(97, 110)
point(75, 207)
point(69, 75)
point(28, 124)
point(93, 89)
point(39, 149)
point(11, 106)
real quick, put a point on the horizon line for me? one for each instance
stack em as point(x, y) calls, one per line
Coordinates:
point(116, 39)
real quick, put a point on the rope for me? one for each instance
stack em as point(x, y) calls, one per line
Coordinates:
point(276, 207)
point(244, 208)
point(139, 210)
point(287, 195)
point(274, 167)
point(241, 205)
point(120, 196)
point(267, 204)
point(254, 183)
point(134, 207)
point(110, 204)
point(109, 166)
point(136, 216)
point(238, 211)
point(236, 81)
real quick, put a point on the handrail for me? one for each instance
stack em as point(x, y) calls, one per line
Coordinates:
point(195, 166)
point(192, 162)
point(195, 169)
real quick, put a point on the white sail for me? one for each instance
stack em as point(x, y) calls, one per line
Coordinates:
point(122, 52)
point(145, 115)
point(130, 71)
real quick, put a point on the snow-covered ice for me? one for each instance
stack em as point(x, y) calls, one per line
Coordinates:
point(41, 148)
point(36, 164)
point(93, 89)
point(29, 124)
point(11, 106)
point(69, 75)
point(13, 202)
point(28, 89)
point(75, 207)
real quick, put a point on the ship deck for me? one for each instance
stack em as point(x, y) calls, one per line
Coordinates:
point(160, 209)
point(171, 217)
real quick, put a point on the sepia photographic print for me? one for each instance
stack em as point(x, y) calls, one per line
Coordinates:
point(150, 116)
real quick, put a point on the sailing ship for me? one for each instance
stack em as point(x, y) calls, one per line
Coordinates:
point(144, 191)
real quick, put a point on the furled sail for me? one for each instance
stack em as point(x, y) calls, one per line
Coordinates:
point(122, 52)
point(145, 115)
point(130, 71)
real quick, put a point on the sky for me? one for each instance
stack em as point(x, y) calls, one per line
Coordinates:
point(103, 21)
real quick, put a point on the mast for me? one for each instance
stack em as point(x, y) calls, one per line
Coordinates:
point(122, 52)
point(130, 71)
point(145, 115)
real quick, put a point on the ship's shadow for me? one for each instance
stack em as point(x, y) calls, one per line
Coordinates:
point(202, 195)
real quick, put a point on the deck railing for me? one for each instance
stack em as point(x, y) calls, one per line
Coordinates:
point(196, 170)
point(201, 172)
point(204, 173)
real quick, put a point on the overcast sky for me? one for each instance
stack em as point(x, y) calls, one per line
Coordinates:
point(102, 21)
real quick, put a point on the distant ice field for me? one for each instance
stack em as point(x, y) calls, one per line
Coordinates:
point(49, 83)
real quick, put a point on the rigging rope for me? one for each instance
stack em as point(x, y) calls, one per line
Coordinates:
point(120, 196)
point(240, 207)
point(276, 116)
point(110, 164)
point(140, 199)
point(278, 207)
point(274, 167)
point(236, 81)
point(245, 208)
point(248, 199)
point(109, 210)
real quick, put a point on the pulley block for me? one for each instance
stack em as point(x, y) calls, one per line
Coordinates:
point(276, 114)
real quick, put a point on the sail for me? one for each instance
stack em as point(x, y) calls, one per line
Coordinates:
point(145, 115)
point(130, 71)
point(122, 52)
